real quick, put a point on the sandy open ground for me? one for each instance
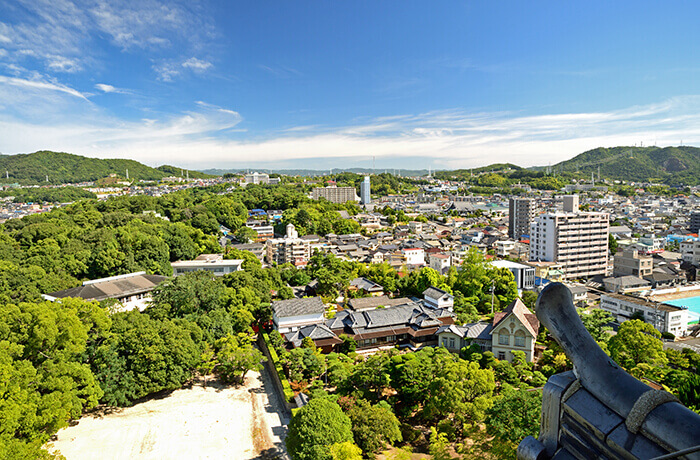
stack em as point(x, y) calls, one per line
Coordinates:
point(194, 423)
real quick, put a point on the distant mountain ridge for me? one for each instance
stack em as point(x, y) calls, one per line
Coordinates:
point(672, 165)
point(61, 168)
point(318, 172)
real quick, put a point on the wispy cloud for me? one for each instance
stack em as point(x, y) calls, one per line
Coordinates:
point(198, 65)
point(62, 33)
point(105, 88)
point(41, 85)
point(281, 71)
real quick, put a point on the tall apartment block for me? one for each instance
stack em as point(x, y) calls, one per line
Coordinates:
point(334, 194)
point(521, 213)
point(694, 222)
point(290, 249)
point(365, 196)
point(578, 241)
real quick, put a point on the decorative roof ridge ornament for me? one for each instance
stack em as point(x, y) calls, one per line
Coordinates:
point(599, 410)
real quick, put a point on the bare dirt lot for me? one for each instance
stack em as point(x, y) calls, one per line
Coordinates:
point(194, 423)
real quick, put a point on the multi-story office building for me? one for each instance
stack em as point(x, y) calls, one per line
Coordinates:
point(576, 240)
point(290, 249)
point(631, 262)
point(365, 196)
point(521, 213)
point(334, 194)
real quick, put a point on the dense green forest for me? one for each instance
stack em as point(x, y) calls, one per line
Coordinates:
point(670, 165)
point(179, 172)
point(61, 168)
point(47, 195)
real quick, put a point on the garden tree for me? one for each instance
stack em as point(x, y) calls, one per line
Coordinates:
point(612, 244)
point(227, 212)
point(412, 373)
point(596, 323)
point(370, 377)
point(315, 428)
point(461, 391)
point(145, 355)
point(637, 342)
point(529, 298)
point(466, 311)
point(345, 451)
point(338, 368)
point(373, 426)
point(245, 234)
point(689, 392)
point(196, 292)
point(476, 277)
point(235, 356)
point(349, 344)
point(304, 364)
point(438, 445)
point(514, 415)
point(333, 274)
point(382, 274)
point(249, 259)
point(419, 280)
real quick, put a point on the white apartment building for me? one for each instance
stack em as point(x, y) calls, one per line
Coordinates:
point(290, 249)
point(690, 251)
point(576, 240)
point(665, 318)
point(414, 256)
point(256, 178)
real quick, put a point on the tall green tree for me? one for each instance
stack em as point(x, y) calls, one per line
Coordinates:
point(637, 342)
point(315, 428)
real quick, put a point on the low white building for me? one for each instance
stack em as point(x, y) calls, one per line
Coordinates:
point(132, 291)
point(504, 247)
point(524, 274)
point(665, 318)
point(290, 315)
point(414, 256)
point(213, 263)
point(437, 298)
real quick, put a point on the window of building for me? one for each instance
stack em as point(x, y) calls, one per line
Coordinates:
point(503, 338)
point(501, 355)
point(519, 339)
point(452, 342)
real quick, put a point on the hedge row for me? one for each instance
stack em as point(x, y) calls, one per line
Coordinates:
point(288, 393)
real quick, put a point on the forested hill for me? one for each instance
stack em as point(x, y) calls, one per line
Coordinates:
point(180, 172)
point(64, 168)
point(673, 165)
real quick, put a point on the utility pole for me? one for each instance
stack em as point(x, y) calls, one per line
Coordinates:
point(127, 174)
point(493, 288)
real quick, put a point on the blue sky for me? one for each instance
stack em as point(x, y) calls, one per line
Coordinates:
point(441, 84)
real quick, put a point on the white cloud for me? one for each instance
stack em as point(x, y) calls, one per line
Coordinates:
point(166, 71)
point(105, 88)
point(210, 135)
point(197, 65)
point(42, 86)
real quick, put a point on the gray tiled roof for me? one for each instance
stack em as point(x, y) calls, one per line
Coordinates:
point(435, 293)
point(298, 307)
point(113, 288)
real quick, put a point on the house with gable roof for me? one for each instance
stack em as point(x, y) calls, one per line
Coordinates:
point(515, 328)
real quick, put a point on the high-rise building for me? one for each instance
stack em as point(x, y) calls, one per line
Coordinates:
point(521, 212)
point(694, 222)
point(334, 194)
point(365, 197)
point(578, 241)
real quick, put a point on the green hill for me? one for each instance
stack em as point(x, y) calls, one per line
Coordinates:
point(672, 165)
point(180, 172)
point(61, 168)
